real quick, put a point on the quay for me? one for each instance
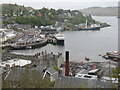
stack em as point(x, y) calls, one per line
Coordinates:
point(30, 45)
point(26, 45)
point(29, 38)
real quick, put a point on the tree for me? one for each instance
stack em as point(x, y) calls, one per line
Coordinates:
point(116, 72)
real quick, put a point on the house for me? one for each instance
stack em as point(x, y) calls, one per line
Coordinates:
point(73, 82)
point(47, 60)
point(52, 73)
point(6, 34)
point(22, 26)
point(10, 26)
point(15, 62)
point(39, 68)
point(48, 29)
point(2, 72)
point(15, 74)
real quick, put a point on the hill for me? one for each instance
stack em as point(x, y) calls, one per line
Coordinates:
point(70, 19)
point(8, 8)
point(101, 11)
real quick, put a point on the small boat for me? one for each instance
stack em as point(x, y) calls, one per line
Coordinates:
point(115, 59)
point(28, 47)
point(105, 56)
point(86, 58)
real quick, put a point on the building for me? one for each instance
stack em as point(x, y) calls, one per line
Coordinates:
point(22, 26)
point(73, 82)
point(49, 59)
point(51, 73)
point(6, 34)
point(48, 29)
point(14, 62)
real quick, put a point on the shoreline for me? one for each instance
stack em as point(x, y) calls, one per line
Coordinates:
point(33, 57)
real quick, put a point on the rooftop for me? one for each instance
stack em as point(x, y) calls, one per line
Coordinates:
point(15, 62)
point(72, 82)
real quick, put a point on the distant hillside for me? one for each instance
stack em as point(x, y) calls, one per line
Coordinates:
point(7, 8)
point(101, 11)
point(68, 19)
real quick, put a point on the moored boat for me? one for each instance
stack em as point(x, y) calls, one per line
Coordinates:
point(60, 38)
point(113, 55)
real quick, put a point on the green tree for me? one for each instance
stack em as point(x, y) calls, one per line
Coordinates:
point(116, 73)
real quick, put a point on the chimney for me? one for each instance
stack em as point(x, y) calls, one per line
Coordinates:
point(67, 63)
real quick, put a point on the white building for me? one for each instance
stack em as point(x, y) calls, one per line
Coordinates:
point(15, 62)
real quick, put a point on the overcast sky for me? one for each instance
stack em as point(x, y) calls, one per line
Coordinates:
point(64, 4)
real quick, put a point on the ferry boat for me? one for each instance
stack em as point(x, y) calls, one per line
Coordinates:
point(60, 38)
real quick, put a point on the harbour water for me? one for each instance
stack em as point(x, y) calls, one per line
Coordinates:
point(83, 44)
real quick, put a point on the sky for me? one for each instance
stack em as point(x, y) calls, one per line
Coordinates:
point(64, 4)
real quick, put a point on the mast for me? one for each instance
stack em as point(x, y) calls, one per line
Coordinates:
point(86, 22)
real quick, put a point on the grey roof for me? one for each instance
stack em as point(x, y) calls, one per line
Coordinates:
point(39, 69)
point(53, 72)
point(2, 70)
point(72, 82)
point(16, 72)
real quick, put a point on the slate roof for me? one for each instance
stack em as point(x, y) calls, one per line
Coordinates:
point(53, 72)
point(16, 72)
point(39, 69)
point(2, 70)
point(72, 82)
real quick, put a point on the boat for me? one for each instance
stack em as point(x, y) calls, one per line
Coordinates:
point(113, 55)
point(28, 47)
point(86, 58)
point(60, 38)
point(90, 27)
